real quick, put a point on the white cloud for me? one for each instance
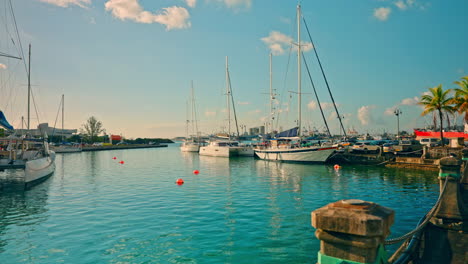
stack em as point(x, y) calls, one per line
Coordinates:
point(255, 111)
point(237, 3)
point(326, 105)
point(364, 114)
point(66, 3)
point(390, 111)
point(191, 3)
point(382, 13)
point(243, 103)
point(210, 113)
point(278, 42)
point(172, 17)
point(312, 105)
point(3, 66)
point(401, 5)
point(285, 20)
point(410, 101)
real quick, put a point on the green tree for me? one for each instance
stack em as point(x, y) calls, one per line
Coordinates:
point(438, 101)
point(92, 129)
point(461, 97)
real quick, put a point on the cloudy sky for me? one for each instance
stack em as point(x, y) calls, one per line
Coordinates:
point(130, 62)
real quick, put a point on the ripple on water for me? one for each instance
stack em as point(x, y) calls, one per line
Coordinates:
point(94, 210)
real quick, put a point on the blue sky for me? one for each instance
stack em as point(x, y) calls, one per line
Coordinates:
point(130, 63)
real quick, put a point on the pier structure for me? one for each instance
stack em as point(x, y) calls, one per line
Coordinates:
point(355, 231)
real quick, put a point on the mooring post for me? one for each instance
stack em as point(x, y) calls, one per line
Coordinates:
point(464, 180)
point(352, 232)
point(452, 210)
point(446, 236)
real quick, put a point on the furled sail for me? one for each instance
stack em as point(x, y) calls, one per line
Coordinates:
point(288, 133)
point(4, 123)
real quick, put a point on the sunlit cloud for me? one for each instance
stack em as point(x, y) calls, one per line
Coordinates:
point(67, 3)
point(410, 101)
point(172, 17)
point(210, 113)
point(236, 3)
point(364, 114)
point(278, 43)
point(191, 3)
point(312, 105)
point(243, 103)
point(382, 13)
point(401, 5)
point(255, 111)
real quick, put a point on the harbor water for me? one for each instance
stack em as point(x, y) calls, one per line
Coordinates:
point(96, 210)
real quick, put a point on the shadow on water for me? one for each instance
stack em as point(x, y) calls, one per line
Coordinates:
point(22, 208)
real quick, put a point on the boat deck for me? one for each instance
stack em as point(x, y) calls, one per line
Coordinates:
point(6, 164)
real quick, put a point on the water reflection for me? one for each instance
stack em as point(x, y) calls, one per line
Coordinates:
point(22, 210)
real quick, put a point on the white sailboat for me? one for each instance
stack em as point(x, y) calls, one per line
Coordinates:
point(227, 148)
point(24, 161)
point(190, 144)
point(289, 147)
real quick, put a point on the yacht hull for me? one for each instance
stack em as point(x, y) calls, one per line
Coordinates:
point(306, 154)
point(218, 151)
point(190, 147)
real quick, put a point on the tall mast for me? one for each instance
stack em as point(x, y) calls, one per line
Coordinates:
point(228, 92)
point(271, 99)
point(192, 109)
point(299, 99)
point(29, 85)
point(63, 117)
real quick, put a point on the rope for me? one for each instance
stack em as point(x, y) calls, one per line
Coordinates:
point(429, 215)
point(324, 77)
point(316, 95)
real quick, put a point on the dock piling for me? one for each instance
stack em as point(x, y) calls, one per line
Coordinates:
point(352, 231)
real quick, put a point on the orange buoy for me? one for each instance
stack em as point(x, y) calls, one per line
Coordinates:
point(114, 158)
point(121, 162)
point(337, 167)
point(196, 172)
point(180, 181)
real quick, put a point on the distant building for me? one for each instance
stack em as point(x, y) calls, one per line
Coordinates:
point(44, 128)
point(257, 130)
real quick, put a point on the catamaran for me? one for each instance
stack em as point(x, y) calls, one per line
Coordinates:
point(288, 145)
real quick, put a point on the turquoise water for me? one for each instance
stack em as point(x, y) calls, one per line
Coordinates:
point(95, 210)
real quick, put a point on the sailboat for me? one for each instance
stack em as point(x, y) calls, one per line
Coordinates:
point(24, 160)
point(288, 145)
point(66, 147)
point(227, 147)
point(190, 144)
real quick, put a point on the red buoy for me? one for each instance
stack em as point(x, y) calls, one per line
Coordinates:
point(337, 167)
point(114, 158)
point(121, 162)
point(180, 181)
point(196, 172)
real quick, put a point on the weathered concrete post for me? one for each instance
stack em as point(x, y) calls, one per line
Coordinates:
point(452, 209)
point(464, 180)
point(446, 236)
point(352, 231)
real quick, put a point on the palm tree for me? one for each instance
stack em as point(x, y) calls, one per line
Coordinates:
point(461, 97)
point(440, 101)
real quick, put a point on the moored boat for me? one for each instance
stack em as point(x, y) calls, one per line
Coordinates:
point(283, 147)
point(226, 148)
